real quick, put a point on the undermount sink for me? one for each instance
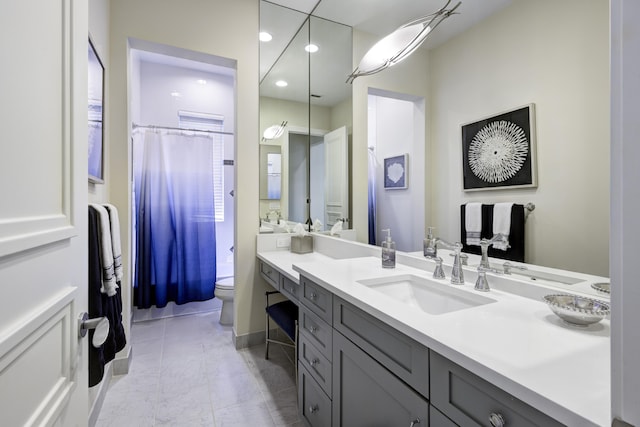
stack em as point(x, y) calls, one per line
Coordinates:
point(427, 295)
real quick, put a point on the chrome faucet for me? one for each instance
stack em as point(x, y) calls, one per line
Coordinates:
point(438, 272)
point(507, 266)
point(482, 284)
point(484, 246)
point(457, 274)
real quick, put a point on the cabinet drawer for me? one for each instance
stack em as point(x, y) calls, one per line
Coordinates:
point(318, 299)
point(316, 330)
point(270, 274)
point(403, 356)
point(313, 405)
point(289, 288)
point(315, 362)
point(437, 419)
point(469, 400)
point(366, 394)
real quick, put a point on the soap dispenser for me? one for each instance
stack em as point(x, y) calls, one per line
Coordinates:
point(429, 248)
point(388, 251)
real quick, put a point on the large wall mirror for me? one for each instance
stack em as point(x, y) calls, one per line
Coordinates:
point(490, 58)
point(312, 56)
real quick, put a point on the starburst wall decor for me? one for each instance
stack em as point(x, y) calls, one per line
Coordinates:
point(499, 152)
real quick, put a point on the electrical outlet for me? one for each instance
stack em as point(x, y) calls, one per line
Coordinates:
point(283, 242)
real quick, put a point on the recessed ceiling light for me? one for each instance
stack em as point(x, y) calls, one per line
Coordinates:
point(264, 36)
point(311, 48)
point(281, 83)
point(202, 81)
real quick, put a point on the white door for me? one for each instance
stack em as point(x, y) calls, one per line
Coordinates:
point(336, 195)
point(43, 212)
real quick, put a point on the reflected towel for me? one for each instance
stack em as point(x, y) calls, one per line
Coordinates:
point(502, 223)
point(473, 223)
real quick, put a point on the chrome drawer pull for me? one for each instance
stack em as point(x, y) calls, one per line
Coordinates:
point(313, 296)
point(415, 422)
point(312, 329)
point(497, 420)
point(313, 408)
point(314, 362)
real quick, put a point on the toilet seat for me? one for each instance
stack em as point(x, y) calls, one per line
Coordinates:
point(225, 284)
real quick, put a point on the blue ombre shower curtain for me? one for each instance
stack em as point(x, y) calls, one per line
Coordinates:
point(174, 218)
point(372, 168)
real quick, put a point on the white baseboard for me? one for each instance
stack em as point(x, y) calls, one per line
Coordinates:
point(248, 340)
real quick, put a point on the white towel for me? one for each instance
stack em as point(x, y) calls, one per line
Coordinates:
point(473, 223)
point(114, 221)
point(109, 285)
point(502, 223)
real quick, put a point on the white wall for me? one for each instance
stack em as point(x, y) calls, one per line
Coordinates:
point(221, 28)
point(556, 55)
point(396, 127)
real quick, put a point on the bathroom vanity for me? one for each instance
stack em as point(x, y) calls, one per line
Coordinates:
point(371, 352)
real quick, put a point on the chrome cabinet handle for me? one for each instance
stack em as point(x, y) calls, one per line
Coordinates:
point(313, 408)
point(312, 329)
point(313, 296)
point(414, 422)
point(314, 362)
point(497, 420)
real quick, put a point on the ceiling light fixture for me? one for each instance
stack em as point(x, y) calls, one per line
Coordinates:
point(311, 48)
point(274, 132)
point(281, 83)
point(400, 44)
point(202, 81)
point(263, 36)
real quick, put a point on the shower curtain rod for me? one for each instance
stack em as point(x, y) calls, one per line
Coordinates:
point(217, 132)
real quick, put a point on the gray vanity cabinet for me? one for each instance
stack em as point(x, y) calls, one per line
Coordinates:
point(355, 370)
point(367, 394)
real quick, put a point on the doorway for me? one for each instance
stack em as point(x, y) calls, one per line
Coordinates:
point(181, 102)
point(396, 127)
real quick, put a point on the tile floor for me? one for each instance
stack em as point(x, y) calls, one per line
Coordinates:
point(186, 372)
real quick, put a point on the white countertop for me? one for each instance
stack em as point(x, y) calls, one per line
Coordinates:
point(516, 343)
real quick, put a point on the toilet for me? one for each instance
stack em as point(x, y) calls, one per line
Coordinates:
point(224, 292)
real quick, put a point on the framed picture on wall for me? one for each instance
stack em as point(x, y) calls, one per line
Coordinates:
point(96, 116)
point(395, 172)
point(499, 152)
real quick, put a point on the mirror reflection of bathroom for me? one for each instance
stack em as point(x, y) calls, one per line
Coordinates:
point(183, 113)
point(396, 128)
point(317, 109)
point(274, 175)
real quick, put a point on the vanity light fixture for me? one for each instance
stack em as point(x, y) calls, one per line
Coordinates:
point(398, 45)
point(263, 36)
point(282, 83)
point(311, 48)
point(274, 132)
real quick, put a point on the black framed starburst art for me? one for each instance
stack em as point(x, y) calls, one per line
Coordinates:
point(498, 152)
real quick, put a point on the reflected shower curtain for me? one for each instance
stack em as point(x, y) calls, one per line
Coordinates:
point(372, 162)
point(174, 218)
